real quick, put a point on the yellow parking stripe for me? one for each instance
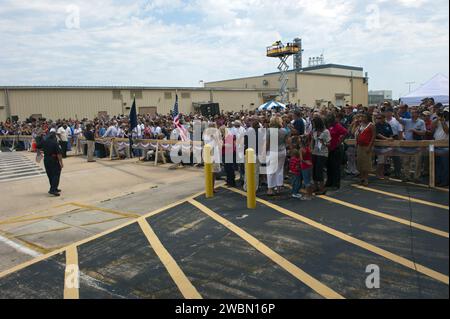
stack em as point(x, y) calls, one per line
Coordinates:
point(71, 278)
point(47, 254)
point(106, 210)
point(17, 221)
point(416, 184)
point(415, 200)
point(308, 280)
point(177, 274)
point(387, 216)
point(372, 248)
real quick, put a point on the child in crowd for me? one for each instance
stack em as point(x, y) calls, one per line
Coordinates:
point(306, 168)
point(295, 170)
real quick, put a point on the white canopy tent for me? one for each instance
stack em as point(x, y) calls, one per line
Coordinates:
point(436, 87)
point(271, 105)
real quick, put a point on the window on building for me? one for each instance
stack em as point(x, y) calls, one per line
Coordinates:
point(185, 95)
point(116, 95)
point(168, 95)
point(137, 93)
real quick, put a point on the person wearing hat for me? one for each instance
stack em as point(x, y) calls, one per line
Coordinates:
point(440, 128)
point(426, 117)
point(53, 162)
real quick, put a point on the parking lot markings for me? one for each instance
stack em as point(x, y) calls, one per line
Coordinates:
point(177, 274)
point(379, 251)
point(386, 216)
point(298, 273)
point(414, 200)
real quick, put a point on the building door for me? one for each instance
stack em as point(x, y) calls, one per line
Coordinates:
point(36, 116)
point(102, 115)
point(151, 110)
point(2, 113)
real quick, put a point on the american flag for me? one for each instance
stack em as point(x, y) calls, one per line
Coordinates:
point(176, 121)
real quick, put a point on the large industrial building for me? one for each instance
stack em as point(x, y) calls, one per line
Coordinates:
point(310, 86)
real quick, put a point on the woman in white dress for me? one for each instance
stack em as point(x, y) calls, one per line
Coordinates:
point(212, 136)
point(276, 155)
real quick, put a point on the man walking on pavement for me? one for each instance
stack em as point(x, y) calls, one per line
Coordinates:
point(53, 162)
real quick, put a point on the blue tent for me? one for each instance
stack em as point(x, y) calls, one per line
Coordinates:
point(271, 105)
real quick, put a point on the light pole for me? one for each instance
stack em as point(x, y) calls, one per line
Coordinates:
point(409, 84)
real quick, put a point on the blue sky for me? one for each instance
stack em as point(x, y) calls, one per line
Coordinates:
point(180, 42)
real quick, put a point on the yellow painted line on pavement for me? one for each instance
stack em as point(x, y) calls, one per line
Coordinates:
point(17, 220)
point(414, 200)
point(177, 274)
point(106, 210)
point(387, 216)
point(26, 243)
point(360, 243)
point(47, 254)
point(25, 218)
point(103, 221)
point(43, 232)
point(295, 271)
point(72, 274)
point(415, 184)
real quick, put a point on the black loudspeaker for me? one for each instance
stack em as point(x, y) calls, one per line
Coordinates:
point(211, 109)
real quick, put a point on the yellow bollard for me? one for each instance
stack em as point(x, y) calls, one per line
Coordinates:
point(250, 161)
point(209, 189)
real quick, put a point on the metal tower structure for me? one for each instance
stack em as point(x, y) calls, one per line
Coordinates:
point(298, 57)
point(283, 52)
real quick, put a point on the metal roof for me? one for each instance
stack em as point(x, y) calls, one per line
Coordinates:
point(85, 87)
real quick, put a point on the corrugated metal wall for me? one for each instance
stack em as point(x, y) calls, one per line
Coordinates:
point(255, 82)
point(2, 106)
point(80, 103)
point(316, 87)
point(56, 104)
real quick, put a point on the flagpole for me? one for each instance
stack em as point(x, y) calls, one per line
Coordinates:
point(131, 131)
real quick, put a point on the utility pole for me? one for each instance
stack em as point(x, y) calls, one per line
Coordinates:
point(409, 84)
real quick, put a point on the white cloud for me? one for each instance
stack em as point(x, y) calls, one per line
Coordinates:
point(179, 42)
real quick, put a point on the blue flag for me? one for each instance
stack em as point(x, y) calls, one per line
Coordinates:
point(133, 125)
point(175, 107)
point(133, 116)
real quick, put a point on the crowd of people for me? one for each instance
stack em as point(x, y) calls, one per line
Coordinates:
point(312, 149)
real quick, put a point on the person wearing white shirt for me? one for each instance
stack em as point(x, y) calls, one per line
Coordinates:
point(158, 130)
point(137, 133)
point(414, 129)
point(239, 131)
point(112, 130)
point(77, 133)
point(397, 130)
point(63, 139)
point(211, 136)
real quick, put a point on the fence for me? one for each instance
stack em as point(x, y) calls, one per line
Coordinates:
point(159, 146)
point(411, 148)
point(384, 148)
